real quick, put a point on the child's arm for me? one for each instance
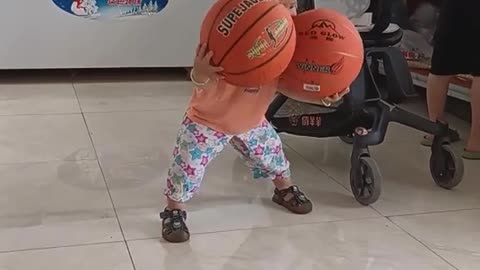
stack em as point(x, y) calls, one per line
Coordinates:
point(203, 73)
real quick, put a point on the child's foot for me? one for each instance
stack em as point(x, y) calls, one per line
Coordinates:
point(293, 199)
point(174, 229)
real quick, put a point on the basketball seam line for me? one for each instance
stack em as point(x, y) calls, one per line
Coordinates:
point(270, 59)
point(213, 24)
point(245, 32)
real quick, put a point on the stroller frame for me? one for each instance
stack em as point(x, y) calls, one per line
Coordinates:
point(363, 117)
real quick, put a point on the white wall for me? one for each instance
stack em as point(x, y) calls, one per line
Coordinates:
point(37, 34)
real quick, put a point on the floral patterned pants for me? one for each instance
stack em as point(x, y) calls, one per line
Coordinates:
point(197, 145)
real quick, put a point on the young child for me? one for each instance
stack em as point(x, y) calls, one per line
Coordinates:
point(221, 114)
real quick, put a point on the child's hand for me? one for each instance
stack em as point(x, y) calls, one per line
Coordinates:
point(335, 98)
point(203, 71)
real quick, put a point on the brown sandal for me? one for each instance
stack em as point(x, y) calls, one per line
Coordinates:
point(174, 229)
point(293, 199)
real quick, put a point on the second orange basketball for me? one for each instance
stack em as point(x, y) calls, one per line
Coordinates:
point(253, 40)
point(328, 57)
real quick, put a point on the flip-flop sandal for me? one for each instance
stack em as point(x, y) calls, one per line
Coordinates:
point(471, 155)
point(427, 141)
point(453, 137)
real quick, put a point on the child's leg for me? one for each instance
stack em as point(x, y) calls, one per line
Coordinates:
point(263, 151)
point(196, 146)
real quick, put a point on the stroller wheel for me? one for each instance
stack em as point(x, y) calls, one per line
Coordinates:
point(348, 139)
point(447, 167)
point(366, 181)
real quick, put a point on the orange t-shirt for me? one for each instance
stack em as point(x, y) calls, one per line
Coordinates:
point(230, 109)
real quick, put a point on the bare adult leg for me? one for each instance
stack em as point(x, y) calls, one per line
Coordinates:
point(473, 144)
point(437, 88)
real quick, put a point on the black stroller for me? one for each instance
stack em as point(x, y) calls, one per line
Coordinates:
point(363, 117)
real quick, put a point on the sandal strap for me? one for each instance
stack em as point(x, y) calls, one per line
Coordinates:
point(174, 220)
point(293, 196)
point(173, 213)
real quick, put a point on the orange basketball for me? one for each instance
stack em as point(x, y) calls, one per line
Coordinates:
point(253, 40)
point(328, 56)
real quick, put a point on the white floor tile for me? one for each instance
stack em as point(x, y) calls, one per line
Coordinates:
point(53, 195)
point(128, 136)
point(135, 153)
point(373, 244)
point(54, 204)
point(44, 138)
point(452, 235)
point(133, 96)
point(230, 200)
point(98, 257)
point(37, 98)
point(408, 186)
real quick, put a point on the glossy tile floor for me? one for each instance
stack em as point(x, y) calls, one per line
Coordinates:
point(83, 161)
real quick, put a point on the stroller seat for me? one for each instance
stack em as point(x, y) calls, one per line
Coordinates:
point(363, 116)
point(391, 36)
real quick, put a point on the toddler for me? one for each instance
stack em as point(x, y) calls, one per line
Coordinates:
point(219, 114)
